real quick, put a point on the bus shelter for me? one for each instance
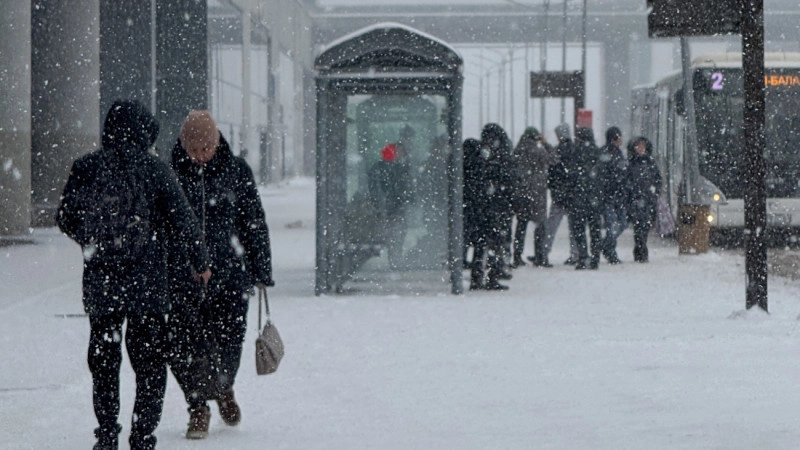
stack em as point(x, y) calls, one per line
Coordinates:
point(389, 164)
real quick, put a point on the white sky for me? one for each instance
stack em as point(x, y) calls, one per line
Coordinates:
point(655, 356)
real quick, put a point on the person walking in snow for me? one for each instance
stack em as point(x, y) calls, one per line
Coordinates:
point(124, 268)
point(209, 324)
point(644, 180)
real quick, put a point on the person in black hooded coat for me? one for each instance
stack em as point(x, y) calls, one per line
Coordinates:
point(644, 180)
point(124, 284)
point(209, 325)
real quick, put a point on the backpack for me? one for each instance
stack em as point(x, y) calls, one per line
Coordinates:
point(117, 222)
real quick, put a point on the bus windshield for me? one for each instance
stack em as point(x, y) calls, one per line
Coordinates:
point(719, 106)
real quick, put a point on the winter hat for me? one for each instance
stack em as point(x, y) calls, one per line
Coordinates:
point(612, 134)
point(562, 132)
point(199, 130)
point(531, 132)
point(389, 153)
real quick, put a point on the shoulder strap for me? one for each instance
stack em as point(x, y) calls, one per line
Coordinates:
point(262, 295)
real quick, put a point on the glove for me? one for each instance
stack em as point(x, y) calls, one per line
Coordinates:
point(265, 284)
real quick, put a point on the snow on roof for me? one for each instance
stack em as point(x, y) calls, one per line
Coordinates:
point(387, 26)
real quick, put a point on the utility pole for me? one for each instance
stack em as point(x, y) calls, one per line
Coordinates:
point(543, 63)
point(564, 59)
point(755, 199)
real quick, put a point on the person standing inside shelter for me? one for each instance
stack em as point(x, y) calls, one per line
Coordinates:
point(533, 157)
point(391, 192)
point(119, 203)
point(644, 179)
point(613, 177)
point(209, 324)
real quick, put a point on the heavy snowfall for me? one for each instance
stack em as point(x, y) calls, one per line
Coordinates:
point(660, 355)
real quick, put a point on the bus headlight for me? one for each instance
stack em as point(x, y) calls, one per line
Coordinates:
point(710, 218)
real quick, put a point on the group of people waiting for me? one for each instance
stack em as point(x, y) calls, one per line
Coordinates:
point(179, 270)
point(599, 189)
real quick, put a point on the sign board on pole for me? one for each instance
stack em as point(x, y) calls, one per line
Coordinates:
point(673, 18)
point(584, 118)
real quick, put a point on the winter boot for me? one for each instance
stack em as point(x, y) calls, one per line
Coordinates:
point(142, 442)
point(199, 419)
point(228, 409)
point(494, 285)
point(107, 439)
point(517, 262)
point(542, 262)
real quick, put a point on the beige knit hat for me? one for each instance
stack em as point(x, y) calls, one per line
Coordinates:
point(199, 130)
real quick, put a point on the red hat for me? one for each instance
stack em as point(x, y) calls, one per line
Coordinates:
point(389, 153)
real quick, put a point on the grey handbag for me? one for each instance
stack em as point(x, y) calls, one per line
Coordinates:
point(269, 345)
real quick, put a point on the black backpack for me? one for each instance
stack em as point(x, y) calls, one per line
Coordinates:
point(117, 222)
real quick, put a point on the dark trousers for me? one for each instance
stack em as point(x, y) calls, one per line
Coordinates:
point(519, 238)
point(577, 228)
point(208, 332)
point(145, 342)
point(640, 231)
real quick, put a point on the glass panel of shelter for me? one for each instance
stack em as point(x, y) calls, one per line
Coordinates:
point(397, 182)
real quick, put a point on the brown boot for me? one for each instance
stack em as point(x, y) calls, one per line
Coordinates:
point(229, 409)
point(198, 423)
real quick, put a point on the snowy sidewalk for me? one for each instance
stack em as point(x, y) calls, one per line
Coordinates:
point(655, 356)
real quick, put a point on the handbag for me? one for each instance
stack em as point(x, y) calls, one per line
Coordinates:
point(665, 221)
point(269, 345)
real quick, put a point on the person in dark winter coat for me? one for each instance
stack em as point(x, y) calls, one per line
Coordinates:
point(584, 209)
point(209, 328)
point(473, 198)
point(122, 282)
point(495, 189)
point(644, 180)
point(556, 181)
point(533, 159)
point(613, 176)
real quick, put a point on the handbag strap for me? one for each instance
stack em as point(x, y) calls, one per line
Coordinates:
point(262, 295)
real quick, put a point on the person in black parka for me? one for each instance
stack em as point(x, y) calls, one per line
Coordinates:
point(644, 180)
point(119, 285)
point(585, 204)
point(614, 190)
point(209, 325)
point(473, 198)
point(494, 189)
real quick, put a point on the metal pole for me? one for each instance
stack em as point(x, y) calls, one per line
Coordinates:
point(543, 62)
point(244, 145)
point(583, 44)
point(755, 198)
point(564, 60)
point(690, 171)
point(511, 89)
point(527, 80)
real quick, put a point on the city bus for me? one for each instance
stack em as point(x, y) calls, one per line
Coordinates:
point(713, 174)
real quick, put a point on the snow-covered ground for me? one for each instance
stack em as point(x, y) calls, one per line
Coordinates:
point(655, 356)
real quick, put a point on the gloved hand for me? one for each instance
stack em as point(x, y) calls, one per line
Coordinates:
point(265, 284)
